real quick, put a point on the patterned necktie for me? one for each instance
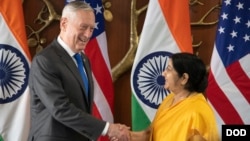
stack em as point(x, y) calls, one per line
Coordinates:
point(79, 61)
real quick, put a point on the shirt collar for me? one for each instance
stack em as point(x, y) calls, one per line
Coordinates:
point(65, 46)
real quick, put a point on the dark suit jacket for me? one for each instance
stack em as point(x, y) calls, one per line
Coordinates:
point(59, 108)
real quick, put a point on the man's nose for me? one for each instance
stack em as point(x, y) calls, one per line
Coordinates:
point(88, 32)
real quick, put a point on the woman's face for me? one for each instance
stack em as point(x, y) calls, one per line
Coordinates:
point(172, 80)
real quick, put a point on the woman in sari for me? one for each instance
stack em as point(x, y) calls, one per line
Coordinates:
point(184, 115)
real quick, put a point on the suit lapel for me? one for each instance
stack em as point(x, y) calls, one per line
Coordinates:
point(68, 61)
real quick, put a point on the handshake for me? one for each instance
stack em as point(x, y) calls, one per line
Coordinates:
point(120, 132)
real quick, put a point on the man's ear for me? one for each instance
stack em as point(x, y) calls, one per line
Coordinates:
point(63, 23)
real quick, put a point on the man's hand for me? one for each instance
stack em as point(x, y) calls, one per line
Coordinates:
point(118, 132)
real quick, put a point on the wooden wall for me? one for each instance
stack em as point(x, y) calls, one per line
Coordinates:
point(118, 37)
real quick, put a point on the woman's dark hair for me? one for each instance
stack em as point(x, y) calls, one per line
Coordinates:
point(194, 67)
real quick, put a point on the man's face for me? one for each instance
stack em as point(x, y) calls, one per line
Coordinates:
point(78, 29)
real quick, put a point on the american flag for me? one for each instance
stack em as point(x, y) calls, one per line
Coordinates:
point(229, 78)
point(97, 52)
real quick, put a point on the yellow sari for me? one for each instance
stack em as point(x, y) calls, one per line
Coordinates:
point(190, 119)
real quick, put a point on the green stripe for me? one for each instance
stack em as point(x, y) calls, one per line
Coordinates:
point(1, 138)
point(140, 120)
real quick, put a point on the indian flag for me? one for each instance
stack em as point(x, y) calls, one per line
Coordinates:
point(166, 31)
point(14, 70)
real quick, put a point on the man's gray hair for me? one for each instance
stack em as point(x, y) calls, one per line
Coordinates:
point(74, 6)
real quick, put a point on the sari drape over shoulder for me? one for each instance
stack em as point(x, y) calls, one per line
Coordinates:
point(189, 117)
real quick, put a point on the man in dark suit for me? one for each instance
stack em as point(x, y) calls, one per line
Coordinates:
point(60, 103)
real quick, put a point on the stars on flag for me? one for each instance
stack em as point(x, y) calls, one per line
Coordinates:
point(99, 24)
point(230, 48)
point(248, 24)
point(237, 20)
point(230, 65)
point(233, 34)
point(227, 2)
point(240, 6)
point(221, 30)
point(98, 9)
point(224, 16)
point(246, 37)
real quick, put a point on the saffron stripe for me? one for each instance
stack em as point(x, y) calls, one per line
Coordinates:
point(173, 12)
